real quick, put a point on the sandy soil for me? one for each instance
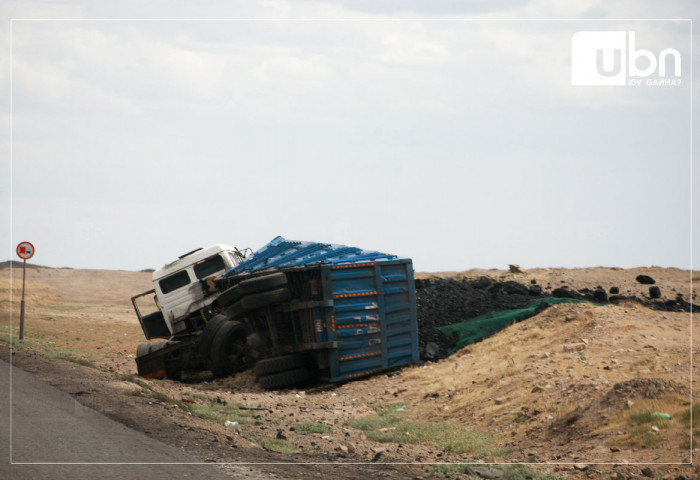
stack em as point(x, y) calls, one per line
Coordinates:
point(544, 402)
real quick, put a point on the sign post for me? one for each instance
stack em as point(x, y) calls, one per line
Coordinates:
point(25, 251)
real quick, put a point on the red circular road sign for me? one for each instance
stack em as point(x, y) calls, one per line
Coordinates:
point(25, 250)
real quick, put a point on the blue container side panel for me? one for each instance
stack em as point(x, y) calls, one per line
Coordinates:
point(374, 318)
point(399, 324)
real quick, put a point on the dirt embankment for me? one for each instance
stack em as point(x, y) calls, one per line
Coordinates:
point(449, 298)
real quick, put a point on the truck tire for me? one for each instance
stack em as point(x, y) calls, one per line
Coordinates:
point(272, 365)
point(142, 349)
point(263, 284)
point(265, 299)
point(228, 349)
point(150, 347)
point(208, 334)
point(229, 296)
point(258, 300)
point(250, 287)
point(284, 379)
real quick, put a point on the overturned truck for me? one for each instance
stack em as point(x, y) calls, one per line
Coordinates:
point(292, 311)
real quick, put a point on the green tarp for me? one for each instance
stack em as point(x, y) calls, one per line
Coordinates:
point(478, 328)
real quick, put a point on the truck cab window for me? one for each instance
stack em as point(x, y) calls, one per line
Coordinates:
point(173, 282)
point(209, 266)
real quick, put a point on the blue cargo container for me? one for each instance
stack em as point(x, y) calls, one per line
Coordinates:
point(353, 311)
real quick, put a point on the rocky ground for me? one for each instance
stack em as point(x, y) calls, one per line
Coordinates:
point(567, 388)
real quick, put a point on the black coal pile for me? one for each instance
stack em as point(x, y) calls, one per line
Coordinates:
point(654, 300)
point(443, 301)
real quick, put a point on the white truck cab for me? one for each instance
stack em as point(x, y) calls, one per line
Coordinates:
point(183, 288)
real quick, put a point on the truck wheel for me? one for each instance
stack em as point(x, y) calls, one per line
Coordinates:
point(250, 287)
point(208, 334)
point(262, 284)
point(284, 379)
point(258, 300)
point(265, 299)
point(146, 348)
point(229, 349)
point(142, 349)
point(268, 366)
point(229, 296)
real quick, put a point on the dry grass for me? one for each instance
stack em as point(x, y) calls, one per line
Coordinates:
point(312, 428)
point(490, 384)
point(278, 445)
point(691, 416)
point(218, 413)
point(512, 362)
point(390, 425)
point(84, 315)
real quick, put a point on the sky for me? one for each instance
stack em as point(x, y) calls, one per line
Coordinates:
point(444, 131)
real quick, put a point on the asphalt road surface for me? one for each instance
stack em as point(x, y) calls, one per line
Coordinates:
point(52, 436)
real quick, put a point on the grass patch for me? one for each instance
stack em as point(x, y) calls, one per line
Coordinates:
point(312, 427)
point(68, 307)
point(647, 417)
point(71, 358)
point(447, 436)
point(692, 414)
point(129, 377)
point(278, 445)
point(642, 435)
point(218, 412)
point(162, 397)
point(9, 339)
point(41, 343)
point(147, 391)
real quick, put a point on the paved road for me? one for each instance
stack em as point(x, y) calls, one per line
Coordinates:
point(50, 428)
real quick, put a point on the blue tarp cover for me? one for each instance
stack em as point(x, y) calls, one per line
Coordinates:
point(282, 253)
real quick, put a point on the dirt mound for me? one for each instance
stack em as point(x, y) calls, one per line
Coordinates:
point(585, 419)
point(644, 387)
point(446, 301)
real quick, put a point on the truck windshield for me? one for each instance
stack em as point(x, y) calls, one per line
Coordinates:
point(209, 266)
point(173, 282)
